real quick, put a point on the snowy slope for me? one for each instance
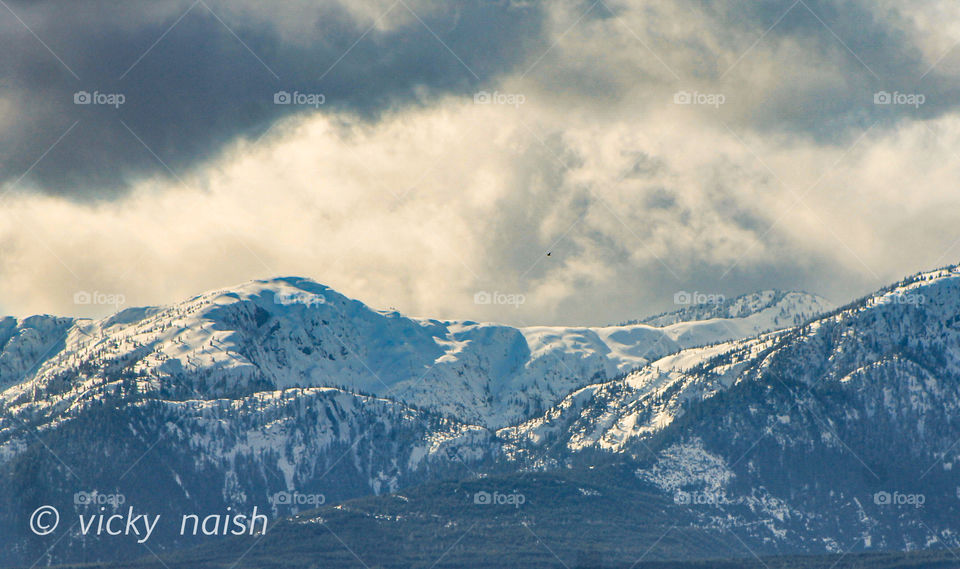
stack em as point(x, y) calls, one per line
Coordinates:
point(27, 343)
point(790, 436)
point(608, 415)
point(766, 310)
point(869, 334)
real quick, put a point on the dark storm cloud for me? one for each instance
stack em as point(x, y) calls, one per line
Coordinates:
point(797, 67)
point(201, 86)
point(867, 48)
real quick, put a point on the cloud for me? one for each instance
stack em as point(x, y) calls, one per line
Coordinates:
point(649, 147)
point(793, 68)
point(195, 76)
point(425, 208)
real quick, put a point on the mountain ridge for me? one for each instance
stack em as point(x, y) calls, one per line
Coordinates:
point(418, 359)
point(721, 419)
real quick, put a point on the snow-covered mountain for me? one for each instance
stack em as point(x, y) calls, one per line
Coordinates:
point(902, 325)
point(802, 434)
point(838, 435)
point(293, 332)
point(818, 437)
point(792, 439)
point(282, 385)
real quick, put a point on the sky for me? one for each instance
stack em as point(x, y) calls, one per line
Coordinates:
point(579, 162)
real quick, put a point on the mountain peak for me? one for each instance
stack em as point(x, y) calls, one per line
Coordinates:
point(274, 284)
point(271, 294)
